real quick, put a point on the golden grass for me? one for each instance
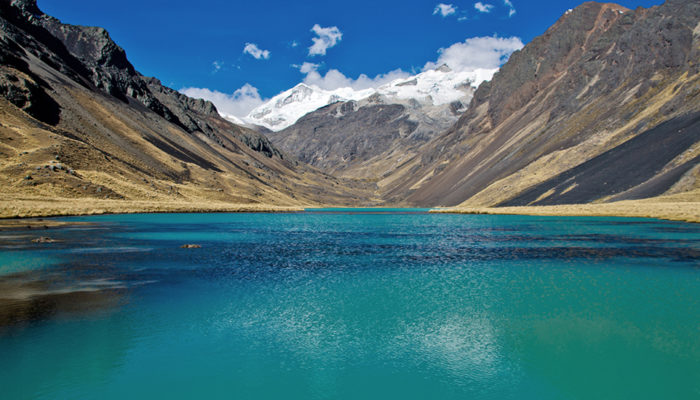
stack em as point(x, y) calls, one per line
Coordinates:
point(28, 208)
point(685, 207)
point(677, 208)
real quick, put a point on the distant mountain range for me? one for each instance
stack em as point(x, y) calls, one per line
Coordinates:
point(436, 87)
point(604, 106)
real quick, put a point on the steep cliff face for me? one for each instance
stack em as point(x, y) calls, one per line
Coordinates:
point(602, 79)
point(78, 121)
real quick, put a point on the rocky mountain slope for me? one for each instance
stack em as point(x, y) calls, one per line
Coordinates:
point(367, 138)
point(603, 106)
point(77, 121)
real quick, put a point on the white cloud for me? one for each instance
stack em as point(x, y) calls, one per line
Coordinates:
point(325, 39)
point(444, 9)
point(218, 65)
point(474, 53)
point(334, 79)
point(294, 43)
point(307, 67)
point(238, 104)
point(484, 8)
point(511, 7)
point(486, 52)
point(255, 51)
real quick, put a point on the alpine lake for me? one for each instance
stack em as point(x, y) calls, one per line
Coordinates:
point(351, 304)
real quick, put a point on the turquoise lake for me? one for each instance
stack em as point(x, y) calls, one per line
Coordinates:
point(333, 304)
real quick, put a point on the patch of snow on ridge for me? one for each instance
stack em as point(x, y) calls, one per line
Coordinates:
point(233, 119)
point(433, 87)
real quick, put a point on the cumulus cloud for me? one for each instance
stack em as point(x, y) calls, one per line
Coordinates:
point(334, 79)
point(511, 7)
point(484, 8)
point(217, 65)
point(324, 40)
point(487, 52)
point(444, 9)
point(256, 52)
point(238, 104)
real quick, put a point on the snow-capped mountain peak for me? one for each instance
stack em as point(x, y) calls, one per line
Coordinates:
point(287, 107)
point(435, 87)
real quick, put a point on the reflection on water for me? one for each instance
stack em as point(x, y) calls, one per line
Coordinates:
point(345, 305)
point(32, 296)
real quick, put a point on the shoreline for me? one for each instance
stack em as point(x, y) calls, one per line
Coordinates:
point(22, 211)
point(671, 211)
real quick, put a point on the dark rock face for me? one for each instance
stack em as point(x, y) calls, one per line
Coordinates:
point(633, 170)
point(85, 53)
point(31, 97)
point(260, 144)
point(109, 69)
point(195, 115)
point(91, 45)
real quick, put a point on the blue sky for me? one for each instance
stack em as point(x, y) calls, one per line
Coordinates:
point(201, 43)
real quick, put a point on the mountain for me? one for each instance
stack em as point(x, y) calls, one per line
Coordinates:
point(438, 87)
point(604, 106)
point(287, 107)
point(367, 138)
point(77, 121)
point(370, 137)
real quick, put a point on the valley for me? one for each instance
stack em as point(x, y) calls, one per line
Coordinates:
point(603, 107)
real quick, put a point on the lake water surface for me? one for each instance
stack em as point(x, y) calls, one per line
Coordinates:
point(351, 305)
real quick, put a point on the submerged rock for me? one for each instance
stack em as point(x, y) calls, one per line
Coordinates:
point(44, 239)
